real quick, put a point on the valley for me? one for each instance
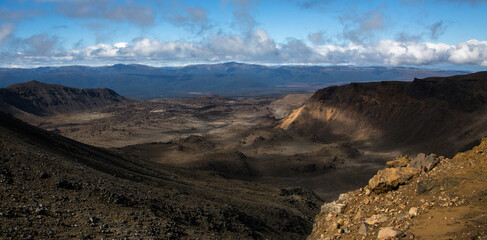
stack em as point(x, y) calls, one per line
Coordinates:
point(216, 156)
point(233, 137)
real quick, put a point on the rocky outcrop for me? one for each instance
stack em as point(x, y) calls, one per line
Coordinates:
point(400, 170)
point(414, 198)
point(390, 178)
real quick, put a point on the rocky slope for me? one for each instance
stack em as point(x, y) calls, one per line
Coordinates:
point(43, 99)
point(54, 187)
point(441, 115)
point(425, 197)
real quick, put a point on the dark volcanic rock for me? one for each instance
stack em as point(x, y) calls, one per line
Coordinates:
point(424, 163)
point(46, 99)
point(63, 183)
point(411, 117)
point(427, 186)
point(94, 193)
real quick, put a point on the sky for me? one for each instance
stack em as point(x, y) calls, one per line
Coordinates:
point(448, 34)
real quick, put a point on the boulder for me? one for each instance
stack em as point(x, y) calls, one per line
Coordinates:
point(333, 207)
point(390, 178)
point(363, 229)
point(401, 161)
point(375, 219)
point(413, 212)
point(424, 163)
point(388, 233)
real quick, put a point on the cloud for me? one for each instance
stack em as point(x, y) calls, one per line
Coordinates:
point(437, 29)
point(472, 52)
point(217, 47)
point(434, 31)
point(318, 38)
point(193, 18)
point(40, 44)
point(258, 47)
point(6, 30)
point(108, 9)
point(399, 53)
point(101, 32)
point(12, 15)
point(406, 37)
point(308, 4)
point(244, 20)
point(102, 50)
point(296, 51)
point(360, 28)
point(60, 27)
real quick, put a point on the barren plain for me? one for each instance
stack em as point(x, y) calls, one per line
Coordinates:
point(233, 137)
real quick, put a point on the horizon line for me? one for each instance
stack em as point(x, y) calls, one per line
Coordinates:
point(439, 68)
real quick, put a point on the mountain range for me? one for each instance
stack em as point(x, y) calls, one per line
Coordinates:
point(226, 79)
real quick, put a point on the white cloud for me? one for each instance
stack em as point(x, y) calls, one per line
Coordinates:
point(388, 52)
point(121, 44)
point(472, 52)
point(101, 50)
point(259, 47)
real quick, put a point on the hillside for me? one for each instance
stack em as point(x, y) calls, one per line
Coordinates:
point(226, 79)
point(421, 197)
point(54, 187)
point(43, 99)
point(441, 115)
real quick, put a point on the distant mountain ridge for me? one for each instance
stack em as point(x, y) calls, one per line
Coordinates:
point(226, 79)
point(440, 114)
point(46, 99)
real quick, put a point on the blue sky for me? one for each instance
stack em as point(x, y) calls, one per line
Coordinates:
point(420, 33)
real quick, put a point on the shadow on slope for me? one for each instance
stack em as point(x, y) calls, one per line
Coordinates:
point(54, 187)
point(439, 115)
